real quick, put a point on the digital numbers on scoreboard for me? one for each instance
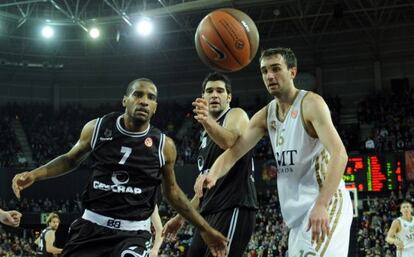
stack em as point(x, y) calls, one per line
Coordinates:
point(374, 173)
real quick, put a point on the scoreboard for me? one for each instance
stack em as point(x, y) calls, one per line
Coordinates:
point(375, 173)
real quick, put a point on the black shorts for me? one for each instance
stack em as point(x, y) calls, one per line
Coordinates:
point(237, 224)
point(87, 239)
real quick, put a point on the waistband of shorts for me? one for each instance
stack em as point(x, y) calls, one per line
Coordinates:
point(118, 224)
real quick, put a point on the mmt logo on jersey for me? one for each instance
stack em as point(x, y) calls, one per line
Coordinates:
point(285, 159)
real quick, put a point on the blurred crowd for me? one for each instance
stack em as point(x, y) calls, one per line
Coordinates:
point(49, 133)
point(391, 116)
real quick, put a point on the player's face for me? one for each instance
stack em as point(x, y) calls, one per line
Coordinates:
point(276, 76)
point(406, 209)
point(54, 223)
point(217, 97)
point(141, 103)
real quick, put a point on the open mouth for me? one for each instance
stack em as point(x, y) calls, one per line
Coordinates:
point(272, 85)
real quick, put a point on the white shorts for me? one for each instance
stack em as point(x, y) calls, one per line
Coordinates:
point(409, 252)
point(336, 244)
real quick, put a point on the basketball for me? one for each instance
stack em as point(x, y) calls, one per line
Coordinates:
point(227, 40)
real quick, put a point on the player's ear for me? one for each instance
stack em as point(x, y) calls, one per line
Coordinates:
point(229, 97)
point(293, 72)
point(124, 101)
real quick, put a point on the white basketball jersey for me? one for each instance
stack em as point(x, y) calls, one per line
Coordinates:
point(406, 234)
point(301, 161)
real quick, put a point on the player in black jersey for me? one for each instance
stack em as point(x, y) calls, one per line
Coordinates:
point(130, 160)
point(231, 206)
point(46, 240)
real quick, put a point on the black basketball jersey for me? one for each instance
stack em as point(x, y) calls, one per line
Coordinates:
point(41, 250)
point(126, 170)
point(236, 189)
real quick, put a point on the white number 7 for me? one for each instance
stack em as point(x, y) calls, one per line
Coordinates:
point(126, 151)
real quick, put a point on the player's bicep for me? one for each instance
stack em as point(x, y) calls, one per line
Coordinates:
point(318, 114)
point(50, 239)
point(170, 154)
point(394, 229)
point(83, 146)
point(237, 121)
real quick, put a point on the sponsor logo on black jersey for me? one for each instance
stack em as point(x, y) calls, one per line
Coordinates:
point(120, 179)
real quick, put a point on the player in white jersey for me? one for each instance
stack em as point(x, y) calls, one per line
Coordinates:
point(401, 232)
point(310, 157)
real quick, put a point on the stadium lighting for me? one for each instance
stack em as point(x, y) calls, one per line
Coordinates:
point(47, 32)
point(94, 33)
point(144, 27)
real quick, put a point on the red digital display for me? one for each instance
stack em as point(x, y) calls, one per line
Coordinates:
point(374, 173)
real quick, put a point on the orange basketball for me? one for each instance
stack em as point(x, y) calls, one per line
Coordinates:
point(227, 40)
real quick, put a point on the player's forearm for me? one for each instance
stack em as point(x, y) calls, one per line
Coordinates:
point(195, 203)
point(336, 168)
point(53, 250)
point(390, 240)
point(220, 135)
point(157, 241)
point(182, 205)
point(223, 164)
point(56, 167)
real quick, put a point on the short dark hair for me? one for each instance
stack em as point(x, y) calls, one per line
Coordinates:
point(132, 83)
point(215, 76)
point(286, 53)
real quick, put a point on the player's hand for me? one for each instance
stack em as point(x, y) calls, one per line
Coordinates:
point(204, 181)
point(201, 110)
point(399, 244)
point(10, 218)
point(21, 181)
point(319, 222)
point(172, 227)
point(215, 241)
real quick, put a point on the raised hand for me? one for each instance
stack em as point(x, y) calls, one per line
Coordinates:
point(200, 110)
point(21, 181)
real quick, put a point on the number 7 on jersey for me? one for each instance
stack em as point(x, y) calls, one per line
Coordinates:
point(126, 151)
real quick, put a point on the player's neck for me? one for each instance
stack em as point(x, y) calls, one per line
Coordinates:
point(285, 101)
point(133, 125)
point(407, 217)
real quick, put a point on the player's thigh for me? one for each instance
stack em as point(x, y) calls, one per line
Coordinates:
point(336, 243)
point(132, 244)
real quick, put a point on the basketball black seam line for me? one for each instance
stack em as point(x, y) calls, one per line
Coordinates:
point(247, 34)
point(224, 43)
point(210, 63)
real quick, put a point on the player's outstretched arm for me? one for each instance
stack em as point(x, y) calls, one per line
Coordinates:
point(224, 136)
point(392, 235)
point(215, 241)
point(58, 166)
point(318, 118)
point(156, 222)
point(255, 130)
